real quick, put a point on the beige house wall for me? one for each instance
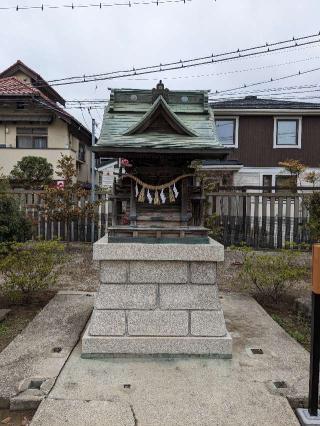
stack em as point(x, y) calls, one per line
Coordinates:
point(59, 142)
point(10, 157)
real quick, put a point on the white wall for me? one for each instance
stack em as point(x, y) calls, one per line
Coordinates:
point(253, 176)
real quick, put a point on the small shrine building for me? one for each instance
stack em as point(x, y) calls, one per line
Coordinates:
point(158, 134)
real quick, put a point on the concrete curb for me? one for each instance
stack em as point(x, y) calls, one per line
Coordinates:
point(30, 364)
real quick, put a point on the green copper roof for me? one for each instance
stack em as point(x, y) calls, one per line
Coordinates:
point(158, 119)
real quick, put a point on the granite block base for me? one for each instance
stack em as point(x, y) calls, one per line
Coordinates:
point(103, 346)
point(157, 300)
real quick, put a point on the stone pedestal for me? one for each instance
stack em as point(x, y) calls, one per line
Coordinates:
point(157, 299)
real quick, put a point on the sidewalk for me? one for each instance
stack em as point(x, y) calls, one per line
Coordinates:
point(30, 364)
point(188, 392)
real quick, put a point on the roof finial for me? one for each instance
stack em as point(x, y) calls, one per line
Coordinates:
point(160, 91)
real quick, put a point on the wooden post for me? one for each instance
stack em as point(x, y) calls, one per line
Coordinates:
point(184, 202)
point(315, 333)
point(133, 206)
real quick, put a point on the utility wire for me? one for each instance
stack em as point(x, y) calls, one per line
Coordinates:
point(194, 62)
point(100, 5)
point(272, 80)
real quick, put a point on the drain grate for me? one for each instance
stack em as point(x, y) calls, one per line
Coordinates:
point(280, 385)
point(257, 351)
point(35, 384)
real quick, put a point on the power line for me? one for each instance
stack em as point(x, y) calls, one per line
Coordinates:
point(194, 62)
point(218, 92)
point(100, 5)
point(262, 67)
point(272, 91)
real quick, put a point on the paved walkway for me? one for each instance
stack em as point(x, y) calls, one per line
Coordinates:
point(42, 349)
point(185, 392)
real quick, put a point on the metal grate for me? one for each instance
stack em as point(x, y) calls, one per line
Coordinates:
point(280, 385)
point(257, 351)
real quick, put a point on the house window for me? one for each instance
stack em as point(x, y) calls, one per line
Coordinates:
point(287, 133)
point(32, 137)
point(285, 183)
point(267, 183)
point(82, 152)
point(227, 130)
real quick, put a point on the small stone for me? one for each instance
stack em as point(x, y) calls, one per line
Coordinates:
point(4, 313)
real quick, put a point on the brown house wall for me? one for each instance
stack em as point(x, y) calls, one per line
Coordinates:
point(256, 143)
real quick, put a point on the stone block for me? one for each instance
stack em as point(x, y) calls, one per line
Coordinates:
point(189, 296)
point(218, 347)
point(114, 271)
point(123, 296)
point(208, 323)
point(212, 252)
point(26, 401)
point(203, 272)
point(158, 323)
point(107, 323)
point(158, 272)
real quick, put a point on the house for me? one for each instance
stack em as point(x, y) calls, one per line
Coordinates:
point(264, 132)
point(34, 122)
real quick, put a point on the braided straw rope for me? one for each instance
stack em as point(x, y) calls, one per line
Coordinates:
point(156, 187)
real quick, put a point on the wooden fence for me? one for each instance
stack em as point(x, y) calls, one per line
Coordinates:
point(84, 230)
point(260, 220)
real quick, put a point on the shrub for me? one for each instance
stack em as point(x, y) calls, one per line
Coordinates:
point(268, 275)
point(32, 172)
point(14, 226)
point(313, 206)
point(29, 267)
point(215, 229)
point(64, 203)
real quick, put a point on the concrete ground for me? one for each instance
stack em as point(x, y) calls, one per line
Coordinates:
point(30, 364)
point(185, 392)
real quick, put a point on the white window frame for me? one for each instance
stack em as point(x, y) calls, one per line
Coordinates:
point(275, 126)
point(236, 130)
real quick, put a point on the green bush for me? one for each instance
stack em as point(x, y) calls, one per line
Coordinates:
point(14, 226)
point(215, 229)
point(32, 172)
point(313, 205)
point(29, 267)
point(268, 275)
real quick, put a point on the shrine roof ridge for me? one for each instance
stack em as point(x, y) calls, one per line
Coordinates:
point(184, 101)
point(159, 119)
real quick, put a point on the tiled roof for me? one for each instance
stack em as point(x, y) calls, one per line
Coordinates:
point(12, 86)
point(253, 102)
point(36, 80)
point(128, 118)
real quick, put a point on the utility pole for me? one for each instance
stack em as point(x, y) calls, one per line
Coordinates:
point(311, 415)
point(93, 174)
point(93, 161)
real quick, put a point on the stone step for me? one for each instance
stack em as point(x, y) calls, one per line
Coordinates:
point(219, 347)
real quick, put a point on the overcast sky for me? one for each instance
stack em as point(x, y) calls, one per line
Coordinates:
point(63, 42)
